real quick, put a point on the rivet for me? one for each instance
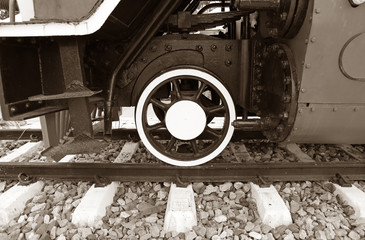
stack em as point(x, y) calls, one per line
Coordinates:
point(12, 109)
point(356, 109)
point(228, 63)
point(228, 48)
point(335, 109)
point(168, 47)
point(313, 39)
point(312, 109)
point(40, 102)
point(302, 90)
point(213, 47)
point(27, 105)
point(199, 48)
point(153, 48)
point(317, 10)
point(144, 60)
point(308, 65)
point(306, 41)
point(295, 129)
point(300, 110)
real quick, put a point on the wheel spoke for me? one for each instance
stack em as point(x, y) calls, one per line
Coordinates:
point(213, 132)
point(159, 104)
point(177, 89)
point(200, 91)
point(194, 146)
point(171, 143)
point(215, 109)
point(156, 126)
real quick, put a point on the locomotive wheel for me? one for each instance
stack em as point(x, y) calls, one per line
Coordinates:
point(186, 117)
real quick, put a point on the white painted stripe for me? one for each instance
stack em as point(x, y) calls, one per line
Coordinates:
point(355, 198)
point(271, 207)
point(13, 200)
point(27, 150)
point(87, 26)
point(92, 207)
point(180, 213)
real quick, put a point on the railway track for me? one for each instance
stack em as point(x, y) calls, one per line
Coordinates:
point(291, 170)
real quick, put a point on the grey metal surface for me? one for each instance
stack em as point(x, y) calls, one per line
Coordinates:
point(334, 22)
point(329, 123)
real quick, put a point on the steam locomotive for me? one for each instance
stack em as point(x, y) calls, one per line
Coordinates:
point(293, 70)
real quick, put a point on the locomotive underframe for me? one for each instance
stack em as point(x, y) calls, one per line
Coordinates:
point(299, 71)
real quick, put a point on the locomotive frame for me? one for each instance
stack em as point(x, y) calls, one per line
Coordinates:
point(296, 65)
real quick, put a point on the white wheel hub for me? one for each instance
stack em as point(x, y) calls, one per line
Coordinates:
point(185, 120)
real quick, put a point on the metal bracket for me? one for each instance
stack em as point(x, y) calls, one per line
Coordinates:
point(182, 181)
point(101, 181)
point(262, 181)
point(342, 180)
point(25, 179)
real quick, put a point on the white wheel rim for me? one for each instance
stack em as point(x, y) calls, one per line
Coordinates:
point(172, 74)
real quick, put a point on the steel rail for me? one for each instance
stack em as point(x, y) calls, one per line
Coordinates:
point(117, 134)
point(211, 172)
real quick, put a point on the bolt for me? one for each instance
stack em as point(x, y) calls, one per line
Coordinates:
point(285, 64)
point(287, 80)
point(199, 48)
point(153, 48)
point(168, 47)
point(286, 99)
point(313, 39)
point(12, 109)
point(280, 128)
point(284, 115)
point(308, 65)
point(280, 52)
point(228, 63)
point(284, 16)
point(228, 48)
point(213, 48)
point(259, 64)
point(273, 32)
point(317, 10)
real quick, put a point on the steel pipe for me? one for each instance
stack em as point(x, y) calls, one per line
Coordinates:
point(12, 10)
